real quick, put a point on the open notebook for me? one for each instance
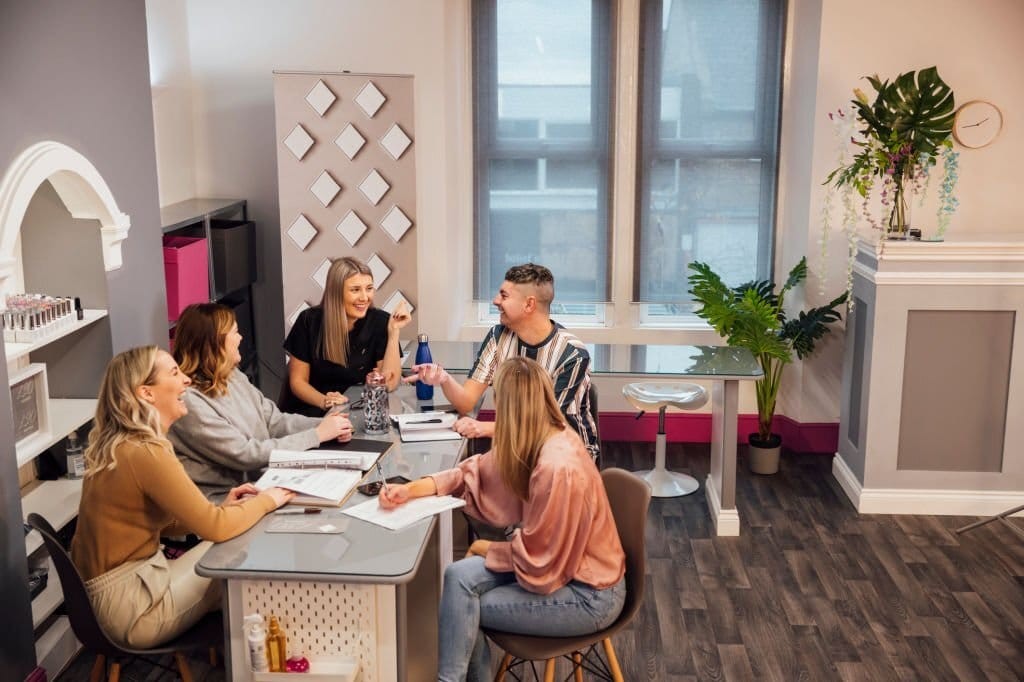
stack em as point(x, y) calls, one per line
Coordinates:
point(358, 453)
point(314, 487)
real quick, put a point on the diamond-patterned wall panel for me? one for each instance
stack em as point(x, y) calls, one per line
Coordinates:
point(353, 198)
point(302, 232)
point(298, 142)
point(320, 98)
point(380, 270)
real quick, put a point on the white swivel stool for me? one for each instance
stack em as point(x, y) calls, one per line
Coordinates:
point(648, 396)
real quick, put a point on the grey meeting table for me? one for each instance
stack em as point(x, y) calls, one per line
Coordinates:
point(365, 592)
point(724, 366)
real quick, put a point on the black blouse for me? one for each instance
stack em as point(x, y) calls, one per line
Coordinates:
point(367, 341)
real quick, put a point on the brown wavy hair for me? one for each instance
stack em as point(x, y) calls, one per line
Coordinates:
point(526, 413)
point(199, 346)
point(121, 416)
point(333, 342)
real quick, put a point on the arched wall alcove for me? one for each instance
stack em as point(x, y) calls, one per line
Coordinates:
point(80, 187)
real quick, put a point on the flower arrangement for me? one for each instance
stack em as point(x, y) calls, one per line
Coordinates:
point(890, 146)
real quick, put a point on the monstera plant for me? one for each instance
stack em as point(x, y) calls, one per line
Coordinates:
point(903, 133)
point(753, 316)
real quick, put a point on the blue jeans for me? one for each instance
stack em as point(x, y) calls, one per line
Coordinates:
point(475, 598)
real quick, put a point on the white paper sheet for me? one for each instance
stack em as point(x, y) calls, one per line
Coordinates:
point(300, 459)
point(330, 484)
point(405, 515)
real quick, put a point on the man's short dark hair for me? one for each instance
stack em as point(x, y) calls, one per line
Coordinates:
point(529, 273)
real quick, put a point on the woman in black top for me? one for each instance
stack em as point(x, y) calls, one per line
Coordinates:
point(335, 344)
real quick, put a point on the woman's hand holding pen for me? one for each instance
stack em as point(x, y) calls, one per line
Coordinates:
point(334, 426)
point(393, 495)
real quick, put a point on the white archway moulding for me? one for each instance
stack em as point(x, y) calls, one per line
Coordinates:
point(80, 186)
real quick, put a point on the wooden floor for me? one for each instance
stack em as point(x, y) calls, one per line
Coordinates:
point(811, 590)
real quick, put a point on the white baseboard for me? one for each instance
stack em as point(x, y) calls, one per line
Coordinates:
point(923, 501)
point(727, 521)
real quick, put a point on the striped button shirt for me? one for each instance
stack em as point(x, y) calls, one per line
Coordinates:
point(563, 356)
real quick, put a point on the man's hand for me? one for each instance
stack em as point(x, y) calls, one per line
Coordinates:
point(472, 428)
point(429, 373)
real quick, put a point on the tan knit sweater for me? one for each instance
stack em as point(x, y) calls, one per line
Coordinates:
point(124, 510)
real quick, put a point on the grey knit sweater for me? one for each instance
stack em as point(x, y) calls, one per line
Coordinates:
point(224, 439)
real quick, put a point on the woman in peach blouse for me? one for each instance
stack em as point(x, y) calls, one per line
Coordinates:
point(560, 573)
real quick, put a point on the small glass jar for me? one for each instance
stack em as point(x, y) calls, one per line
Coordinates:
point(376, 418)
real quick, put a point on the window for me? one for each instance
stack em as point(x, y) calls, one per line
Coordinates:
point(707, 147)
point(542, 101)
point(710, 89)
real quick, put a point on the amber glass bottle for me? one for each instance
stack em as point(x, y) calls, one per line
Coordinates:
point(277, 649)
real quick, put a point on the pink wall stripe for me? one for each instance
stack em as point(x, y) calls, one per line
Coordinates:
point(696, 428)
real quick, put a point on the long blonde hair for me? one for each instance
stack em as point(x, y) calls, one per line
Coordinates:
point(121, 416)
point(526, 413)
point(199, 346)
point(333, 342)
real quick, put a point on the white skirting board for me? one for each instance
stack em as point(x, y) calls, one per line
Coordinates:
point(923, 501)
point(727, 521)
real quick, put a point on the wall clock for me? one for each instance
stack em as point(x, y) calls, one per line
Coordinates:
point(977, 123)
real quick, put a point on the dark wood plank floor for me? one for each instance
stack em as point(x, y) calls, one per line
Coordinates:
point(811, 590)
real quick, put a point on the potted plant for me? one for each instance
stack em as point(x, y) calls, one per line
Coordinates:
point(753, 316)
point(900, 136)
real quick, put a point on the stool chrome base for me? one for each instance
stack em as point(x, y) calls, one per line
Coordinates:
point(661, 481)
point(664, 483)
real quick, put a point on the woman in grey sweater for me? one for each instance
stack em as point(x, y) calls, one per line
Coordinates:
point(231, 427)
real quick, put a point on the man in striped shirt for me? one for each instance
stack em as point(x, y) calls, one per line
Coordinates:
point(525, 328)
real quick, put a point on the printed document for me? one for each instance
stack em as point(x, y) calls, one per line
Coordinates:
point(319, 487)
point(405, 515)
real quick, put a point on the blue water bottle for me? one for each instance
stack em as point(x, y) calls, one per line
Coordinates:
point(423, 391)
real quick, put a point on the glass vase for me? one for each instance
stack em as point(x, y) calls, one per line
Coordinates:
point(899, 213)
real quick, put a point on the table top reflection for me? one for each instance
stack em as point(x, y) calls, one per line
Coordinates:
point(696, 362)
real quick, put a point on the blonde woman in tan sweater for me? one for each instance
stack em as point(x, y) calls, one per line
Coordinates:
point(135, 490)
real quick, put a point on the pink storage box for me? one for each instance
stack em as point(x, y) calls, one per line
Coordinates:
point(187, 273)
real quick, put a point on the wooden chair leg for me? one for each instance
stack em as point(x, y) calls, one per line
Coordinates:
point(98, 668)
point(505, 663)
point(613, 662)
point(115, 672)
point(549, 670)
point(577, 666)
point(183, 669)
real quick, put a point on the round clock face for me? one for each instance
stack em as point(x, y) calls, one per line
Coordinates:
point(977, 123)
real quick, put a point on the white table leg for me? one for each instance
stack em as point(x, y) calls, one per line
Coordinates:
point(721, 483)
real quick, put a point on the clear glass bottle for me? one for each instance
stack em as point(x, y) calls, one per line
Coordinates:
point(75, 456)
point(424, 391)
point(375, 405)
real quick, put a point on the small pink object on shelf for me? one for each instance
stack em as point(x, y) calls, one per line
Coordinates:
point(187, 273)
point(297, 664)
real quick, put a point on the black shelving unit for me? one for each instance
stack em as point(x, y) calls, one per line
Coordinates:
point(231, 250)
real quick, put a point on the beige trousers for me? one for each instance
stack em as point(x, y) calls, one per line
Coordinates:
point(145, 603)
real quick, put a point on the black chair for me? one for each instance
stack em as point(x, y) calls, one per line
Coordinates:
point(204, 635)
point(629, 498)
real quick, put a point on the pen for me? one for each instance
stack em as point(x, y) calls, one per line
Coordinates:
point(426, 421)
point(384, 481)
point(298, 510)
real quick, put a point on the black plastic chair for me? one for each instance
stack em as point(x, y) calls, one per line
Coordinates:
point(206, 634)
point(629, 497)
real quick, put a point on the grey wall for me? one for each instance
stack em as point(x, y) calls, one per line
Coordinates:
point(78, 73)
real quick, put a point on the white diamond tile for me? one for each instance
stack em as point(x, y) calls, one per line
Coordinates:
point(395, 142)
point(325, 188)
point(374, 186)
point(350, 141)
point(320, 274)
point(370, 99)
point(320, 98)
point(351, 227)
point(298, 142)
point(393, 301)
point(295, 315)
point(396, 223)
point(379, 268)
point(302, 232)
